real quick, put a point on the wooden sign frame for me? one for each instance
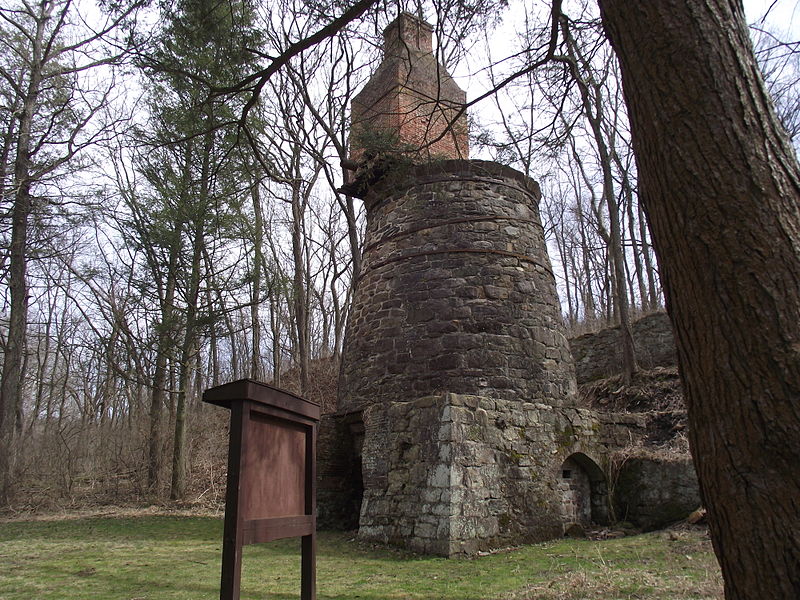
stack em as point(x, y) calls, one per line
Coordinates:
point(271, 491)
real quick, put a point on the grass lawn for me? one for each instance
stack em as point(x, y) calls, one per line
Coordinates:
point(170, 557)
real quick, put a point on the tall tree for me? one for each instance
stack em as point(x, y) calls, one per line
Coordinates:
point(594, 107)
point(195, 183)
point(721, 186)
point(47, 54)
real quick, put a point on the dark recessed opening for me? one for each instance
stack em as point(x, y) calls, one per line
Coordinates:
point(566, 474)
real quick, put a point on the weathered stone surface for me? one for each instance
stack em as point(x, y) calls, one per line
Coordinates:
point(597, 355)
point(425, 245)
point(472, 486)
point(339, 476)
point(652, 493)
point(441, 351)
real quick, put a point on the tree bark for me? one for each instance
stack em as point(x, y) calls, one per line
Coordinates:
point(721, 187)
point(258, 270)
point(166, 331)
point(14, 358)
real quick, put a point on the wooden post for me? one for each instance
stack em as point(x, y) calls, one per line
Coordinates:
point(231, 540)
point(271, 491)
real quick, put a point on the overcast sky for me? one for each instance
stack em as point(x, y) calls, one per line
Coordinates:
point(783, 15)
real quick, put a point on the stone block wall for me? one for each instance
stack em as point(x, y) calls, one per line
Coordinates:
point(455, 474)
point(653, 492)
point(576, 492)
point(598, 355)
point(456, 292)
point(339, 473)
point(468, 473)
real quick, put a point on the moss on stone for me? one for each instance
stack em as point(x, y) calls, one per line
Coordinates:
point(515, 456)
point(474, 433)
point(565, 437)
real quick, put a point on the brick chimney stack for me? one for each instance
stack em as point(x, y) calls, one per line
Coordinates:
point(410, 104)
point(407, 32)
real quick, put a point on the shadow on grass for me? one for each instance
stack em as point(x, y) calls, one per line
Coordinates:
point(153, 528)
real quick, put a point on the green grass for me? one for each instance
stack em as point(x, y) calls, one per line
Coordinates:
point(165, 557)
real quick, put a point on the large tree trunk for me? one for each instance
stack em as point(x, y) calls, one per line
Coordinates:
point(14, 359)
point(721, 187)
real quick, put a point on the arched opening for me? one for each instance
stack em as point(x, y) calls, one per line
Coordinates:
point(584, 492)
point(340, 484)
point(355, 482)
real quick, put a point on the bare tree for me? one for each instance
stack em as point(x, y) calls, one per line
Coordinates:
point(49, 54)
point(780, 65)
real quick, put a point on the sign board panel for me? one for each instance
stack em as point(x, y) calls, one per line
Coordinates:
point(271, 491)
point(275, 464)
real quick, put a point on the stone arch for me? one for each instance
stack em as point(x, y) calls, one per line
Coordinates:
point(584, 492)
point(340, 484)
point(355, 487)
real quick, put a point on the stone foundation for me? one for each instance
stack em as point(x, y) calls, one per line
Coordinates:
point(468, 473)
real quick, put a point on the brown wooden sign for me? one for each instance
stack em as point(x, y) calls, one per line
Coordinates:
point(271, 490)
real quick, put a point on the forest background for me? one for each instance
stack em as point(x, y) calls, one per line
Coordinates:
point(170, 223)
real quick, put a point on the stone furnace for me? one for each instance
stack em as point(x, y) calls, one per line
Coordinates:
point(456, 395)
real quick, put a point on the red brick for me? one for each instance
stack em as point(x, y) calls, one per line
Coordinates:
point(410, 99)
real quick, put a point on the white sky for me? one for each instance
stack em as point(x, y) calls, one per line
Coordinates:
point(782, 15)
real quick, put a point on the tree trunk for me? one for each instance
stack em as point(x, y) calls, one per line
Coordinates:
point(561, 244)
point(644, 298)
point(258, 269)
point(593, 105)
point(275, 329)
point(166, 333)
point(213, 344)
point(299, 290)
point(188, 352)
point(721, 187)
point(589, 310)
point(650, 268)
point(159, 389)
point(43, 355)
point(353, 238)
point(13, 360)
point(189, 347)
